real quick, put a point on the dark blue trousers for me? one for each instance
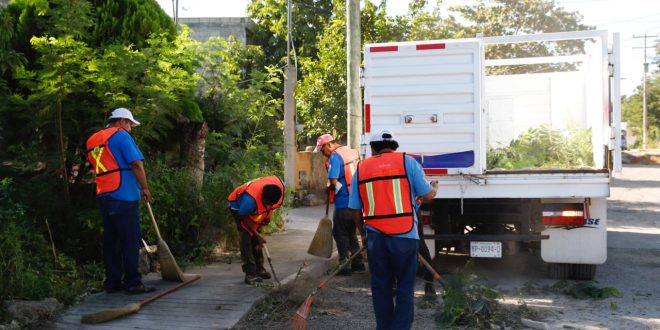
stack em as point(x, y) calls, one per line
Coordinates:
point(121, 242)
point(392, 258)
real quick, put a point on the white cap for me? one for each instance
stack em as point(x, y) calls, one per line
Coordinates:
point(381, 135)
point(124, 113)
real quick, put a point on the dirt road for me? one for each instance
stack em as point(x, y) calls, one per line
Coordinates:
point(632, 267)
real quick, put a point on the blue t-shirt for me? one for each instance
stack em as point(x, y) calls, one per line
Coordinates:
point(336, 171)
point(125, 151)
point(244, 205)
point(418, 187)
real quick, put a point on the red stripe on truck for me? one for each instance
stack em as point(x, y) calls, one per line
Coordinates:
point(383, 49)
point(430, 46)
point(367, 118)
point(435, 171)
point(563, 221)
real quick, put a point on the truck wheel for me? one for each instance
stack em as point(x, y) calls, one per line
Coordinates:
point(584, 272)
point(559, 271)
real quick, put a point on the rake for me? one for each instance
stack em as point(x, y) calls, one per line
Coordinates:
point(299, 319)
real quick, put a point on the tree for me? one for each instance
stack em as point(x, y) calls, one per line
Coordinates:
point(322, 92)
point(129, 22)
point(309, 18)
point(514, 17)
point(631, 108)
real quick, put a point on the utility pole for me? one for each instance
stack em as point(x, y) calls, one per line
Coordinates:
point(646, 69)
point(175, 11)
point(289, 110)
point(353, 50)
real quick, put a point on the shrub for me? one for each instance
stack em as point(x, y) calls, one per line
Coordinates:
point(26, 258)
point(544, 147)
point(467, 301)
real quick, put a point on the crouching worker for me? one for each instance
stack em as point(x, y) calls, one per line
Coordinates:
point(252, 204)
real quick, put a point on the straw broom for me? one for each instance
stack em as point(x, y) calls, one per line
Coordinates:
point(321, 245)
point(169, 269)
point(299, 319)
point(115, 313)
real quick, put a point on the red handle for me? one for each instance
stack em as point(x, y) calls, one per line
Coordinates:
point(170, 290)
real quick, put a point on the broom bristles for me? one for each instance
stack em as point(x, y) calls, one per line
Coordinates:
point(110, 314)
point(169, 269)
point(299, 319)
point(321, 245)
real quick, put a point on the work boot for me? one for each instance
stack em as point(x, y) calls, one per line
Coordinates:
point(344, 272)
point(252, 279)
point(113, 289)
point(358, 268)
point(139, 289)
point(429, 289)
point(264, 275)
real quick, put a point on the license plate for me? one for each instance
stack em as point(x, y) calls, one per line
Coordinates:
point(486, 249)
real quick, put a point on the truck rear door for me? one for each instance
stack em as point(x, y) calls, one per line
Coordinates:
point(428, 93)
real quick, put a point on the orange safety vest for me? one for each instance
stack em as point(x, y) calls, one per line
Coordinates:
point(255, 189)
point(350, 158)
point(106, 168)
point(385, 193)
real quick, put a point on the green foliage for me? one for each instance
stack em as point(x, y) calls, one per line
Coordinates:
point(544, 147)
point(468, 301)
point(515, 17)
point(632, 110)
point(308, 20)
point(25, 258)
point(321, 95)
point(585, 290)
point(578, 290)
point(129, 22)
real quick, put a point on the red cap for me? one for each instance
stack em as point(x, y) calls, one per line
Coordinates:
point(323, 139)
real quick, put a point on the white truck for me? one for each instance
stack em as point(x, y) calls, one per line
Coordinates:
point(455, 110)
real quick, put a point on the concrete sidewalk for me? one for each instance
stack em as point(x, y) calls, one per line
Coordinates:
point(220, 298)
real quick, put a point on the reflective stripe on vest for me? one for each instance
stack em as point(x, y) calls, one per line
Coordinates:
point(351, 158)
point(255, 189)
point(385, 193)
point(106, 168)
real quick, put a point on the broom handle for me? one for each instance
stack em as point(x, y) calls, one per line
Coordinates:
point(170, 290)
point(339, 268)
point(271, 264)
point(327, 203)
point(436, 275)
point(153, 220)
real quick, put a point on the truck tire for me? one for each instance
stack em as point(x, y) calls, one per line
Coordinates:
point(560, 271)
point(584, 272)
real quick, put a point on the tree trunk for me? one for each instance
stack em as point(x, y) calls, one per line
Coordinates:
point(193, 148)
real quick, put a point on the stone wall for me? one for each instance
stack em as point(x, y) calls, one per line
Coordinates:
point(205, 27)
point(311, 177)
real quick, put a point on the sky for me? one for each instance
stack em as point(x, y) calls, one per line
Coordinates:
point(628, 17)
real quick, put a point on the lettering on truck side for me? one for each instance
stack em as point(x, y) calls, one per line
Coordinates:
point(592, 221)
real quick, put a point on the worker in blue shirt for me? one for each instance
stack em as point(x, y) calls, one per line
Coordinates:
point(386, 187)
point(341, 164)
point(252, 205)
point(120, 183)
